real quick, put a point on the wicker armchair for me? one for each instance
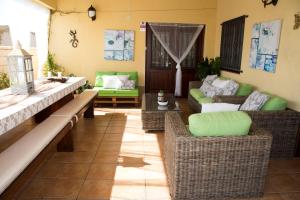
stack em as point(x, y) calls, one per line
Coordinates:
point(214, 167)
point(284, 126)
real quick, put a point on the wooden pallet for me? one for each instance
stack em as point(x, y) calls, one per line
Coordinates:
point(117, 100)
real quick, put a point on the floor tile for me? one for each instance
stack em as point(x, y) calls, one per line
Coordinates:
point(106, 157)
point(63, 188)
point(96, 189)
point(73, 157)
point(281, 184)
point(102, 171)
point(86, 145)
point(110, 146)
point(129, 189)
point(73, 171)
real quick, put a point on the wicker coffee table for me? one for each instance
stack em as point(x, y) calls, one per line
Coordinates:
point(153, 115)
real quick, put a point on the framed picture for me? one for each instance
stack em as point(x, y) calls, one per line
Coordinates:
point(119, 45)
point(264, 45)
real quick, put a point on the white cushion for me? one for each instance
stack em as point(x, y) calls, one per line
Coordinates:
point(74, 106)
point(123, 77)
point(219, 107)
point(19, 155)
point(220, 83)
point(210, 78)
point(255, 101)
point(111, 82)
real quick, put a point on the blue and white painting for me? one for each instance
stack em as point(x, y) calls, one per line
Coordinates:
point(264, 45)
point(118, 45)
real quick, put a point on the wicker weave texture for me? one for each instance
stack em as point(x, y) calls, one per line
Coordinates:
point(283, 125)
point(214, 167)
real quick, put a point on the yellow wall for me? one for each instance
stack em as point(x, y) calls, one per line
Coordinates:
point(87, 58)
point(48, 3)
point(285, 81)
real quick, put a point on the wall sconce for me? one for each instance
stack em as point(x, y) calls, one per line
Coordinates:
point(92, 13)
point(268, 2)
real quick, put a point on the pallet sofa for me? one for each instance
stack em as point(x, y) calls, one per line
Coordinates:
point(116, 96)
point(283, 124)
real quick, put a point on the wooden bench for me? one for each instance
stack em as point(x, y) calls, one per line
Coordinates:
point(20, 160)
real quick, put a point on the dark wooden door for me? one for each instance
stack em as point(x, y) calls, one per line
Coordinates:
point(160, 68)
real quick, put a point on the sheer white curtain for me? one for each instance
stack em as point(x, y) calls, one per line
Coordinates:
point(177, 40)
point(23, 17)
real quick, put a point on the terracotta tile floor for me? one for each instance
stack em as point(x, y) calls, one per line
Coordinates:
point(115, 159)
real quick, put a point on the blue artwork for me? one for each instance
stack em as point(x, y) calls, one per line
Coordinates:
point(264, 45)
point(118, 45)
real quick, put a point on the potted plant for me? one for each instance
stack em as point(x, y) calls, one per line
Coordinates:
point(4, 81)
point(208, 67)
point(51, 66)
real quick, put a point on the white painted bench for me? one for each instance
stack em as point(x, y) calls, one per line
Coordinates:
point(20, 156)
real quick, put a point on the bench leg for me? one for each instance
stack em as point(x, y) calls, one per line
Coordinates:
point(66, 144)
point(89, 113)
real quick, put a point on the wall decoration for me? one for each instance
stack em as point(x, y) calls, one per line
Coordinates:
point(297, 21)
point(118, 45)
point(264, 45)
point(74, 39)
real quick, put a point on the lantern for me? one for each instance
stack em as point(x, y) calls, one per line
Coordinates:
point(92, 13)
point(20, 71)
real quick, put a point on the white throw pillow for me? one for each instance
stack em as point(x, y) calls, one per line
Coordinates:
point(210, 78)
point(220, 83)
point(111, 82)
point(123, 77)
point(219, 107)
point(255, 101)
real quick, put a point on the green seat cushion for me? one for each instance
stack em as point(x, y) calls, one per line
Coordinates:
point(132, 76)
point(116, 93)
point(234, 123)
point(204, 100)
point(244, 90)
point(275, 103)
point(196, 93)
point(99, 80)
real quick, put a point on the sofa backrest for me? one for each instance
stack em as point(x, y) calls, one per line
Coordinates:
point(99, 80)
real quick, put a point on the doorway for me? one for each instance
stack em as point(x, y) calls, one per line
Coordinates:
point(160, 68)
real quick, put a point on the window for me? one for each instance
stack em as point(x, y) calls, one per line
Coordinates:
point(32, 40)
point(5, 39)
point(232, 44)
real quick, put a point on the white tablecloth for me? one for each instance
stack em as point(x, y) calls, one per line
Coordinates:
point(14, 115)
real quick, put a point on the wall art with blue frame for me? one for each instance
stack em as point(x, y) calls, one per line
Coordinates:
point(264, 45)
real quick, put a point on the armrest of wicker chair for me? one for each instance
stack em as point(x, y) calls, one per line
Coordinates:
point(195, 84)
point(229, 99)
point(284, 126)
point(214, 167)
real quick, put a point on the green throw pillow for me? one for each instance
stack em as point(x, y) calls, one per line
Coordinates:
point(234, 123)
point(275, 103)
point(244, 90)
point(99, 80)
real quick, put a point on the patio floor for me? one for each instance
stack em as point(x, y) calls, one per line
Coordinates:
point(115, 159)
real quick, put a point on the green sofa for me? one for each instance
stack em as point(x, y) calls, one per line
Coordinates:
point(116, 95)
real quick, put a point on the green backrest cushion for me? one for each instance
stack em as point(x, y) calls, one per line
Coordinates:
point(196, 93)
point(244, 89)
point(99, 80)
point(275, 103)
point(132, 76)
point(234, 123)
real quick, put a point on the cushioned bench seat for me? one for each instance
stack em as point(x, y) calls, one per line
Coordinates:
point(80, 101)
point(18, 156)
point(116, 93)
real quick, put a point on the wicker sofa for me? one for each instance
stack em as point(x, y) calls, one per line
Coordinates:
point(284, 125)
point(214, 167)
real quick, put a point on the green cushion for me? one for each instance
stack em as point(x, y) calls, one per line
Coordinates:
point(244, 89)
point(196, 93)
point(99, 80)
point(116, 93)
point(132, 76)
point(275, 103)
point(234, 123)
point(204, 100)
